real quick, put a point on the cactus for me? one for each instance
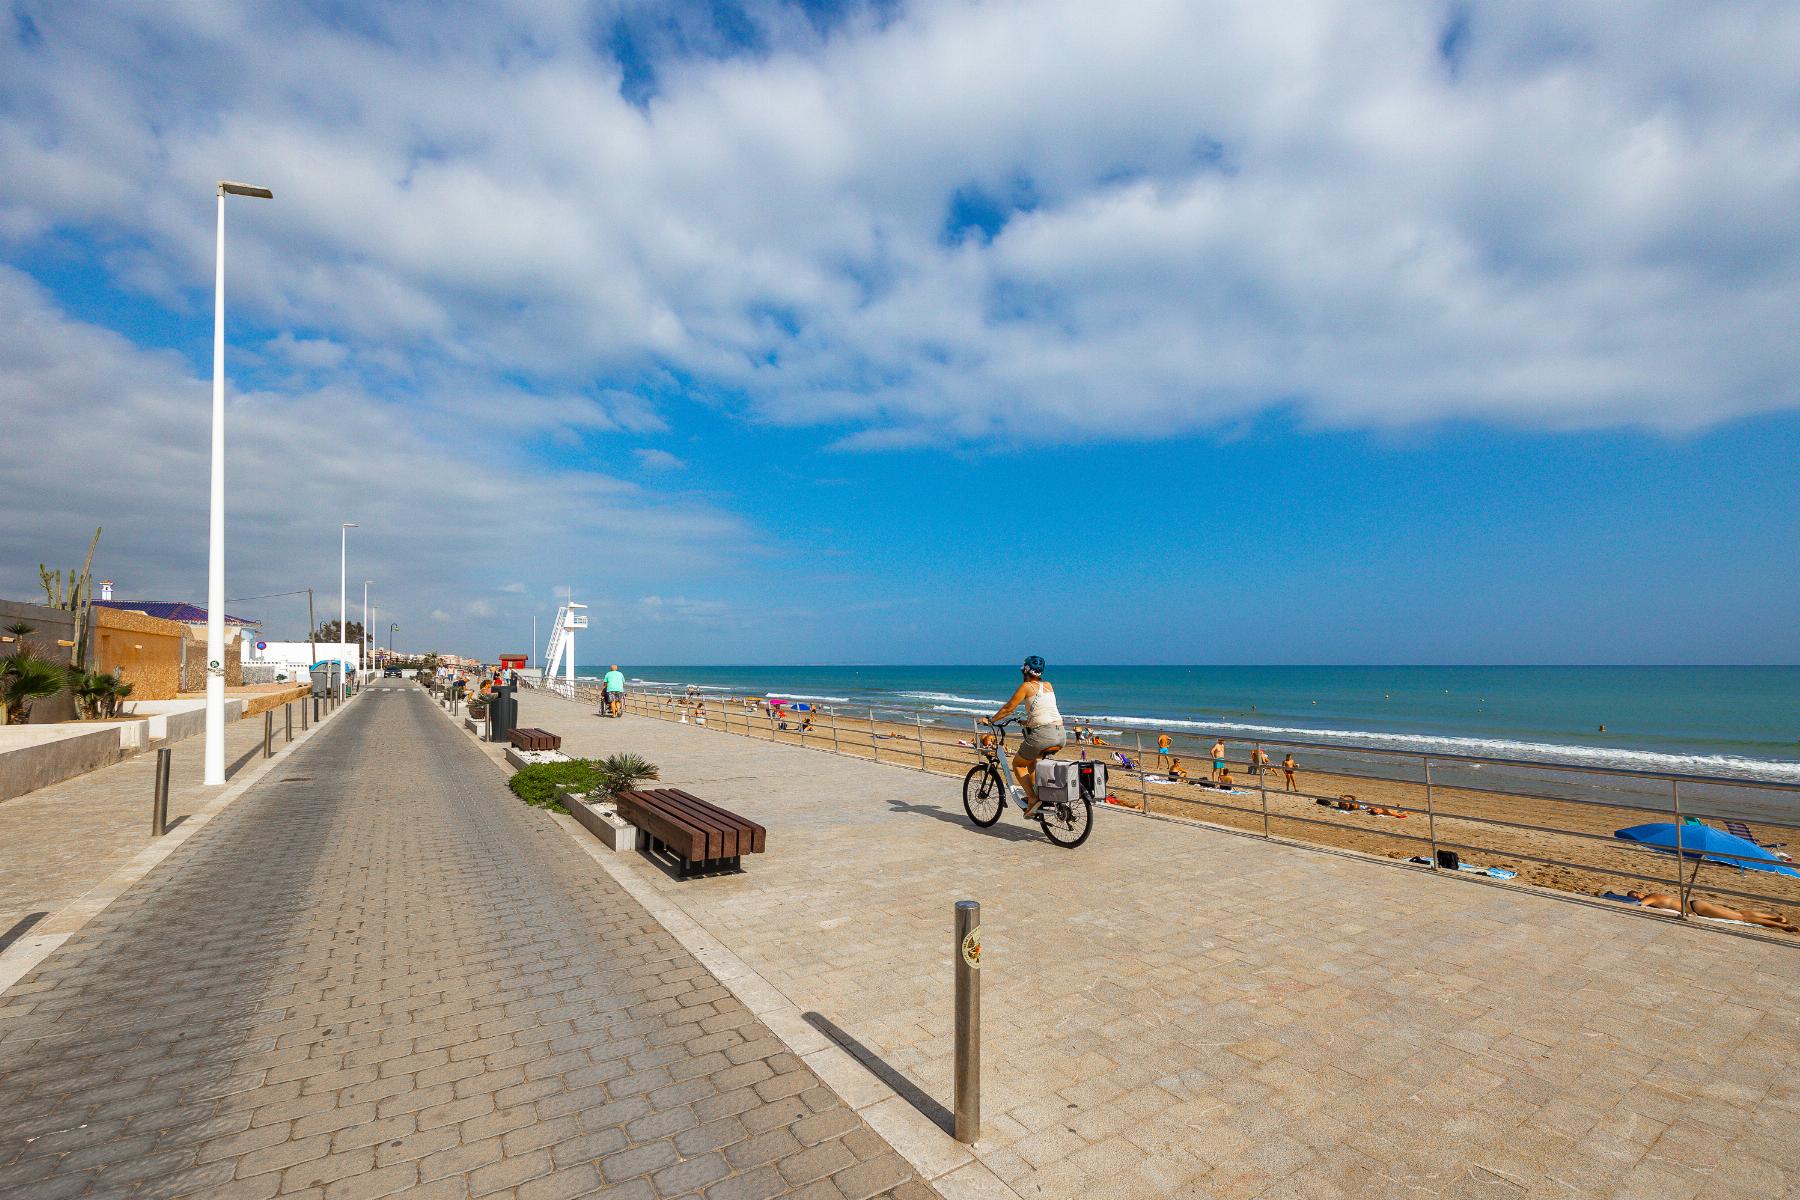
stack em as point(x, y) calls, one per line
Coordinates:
point(74, 596)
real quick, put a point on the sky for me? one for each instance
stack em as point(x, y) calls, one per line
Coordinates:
point(923, 330)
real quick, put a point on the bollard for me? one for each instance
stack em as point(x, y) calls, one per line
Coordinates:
point(287, 720)
point(303, 707)
point(968, 1020)
point(159, 807)
point(268, 731)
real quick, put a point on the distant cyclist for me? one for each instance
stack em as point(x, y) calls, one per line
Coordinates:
point(1044, 734)
point(614, 683)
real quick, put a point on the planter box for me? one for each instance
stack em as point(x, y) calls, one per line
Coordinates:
point(619, 835)
point(525, 758)
point(478, 728)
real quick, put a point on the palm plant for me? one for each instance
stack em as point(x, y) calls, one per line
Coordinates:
point(89, 688)
point(623, 772)
point(25, 679)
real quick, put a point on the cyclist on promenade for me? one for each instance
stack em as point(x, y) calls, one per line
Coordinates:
point(1044, 733)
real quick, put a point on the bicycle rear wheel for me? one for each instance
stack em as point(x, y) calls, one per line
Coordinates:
point(1068, 825)
point(982, 795)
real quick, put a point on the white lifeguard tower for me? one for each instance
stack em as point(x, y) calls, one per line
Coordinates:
point(561, 654)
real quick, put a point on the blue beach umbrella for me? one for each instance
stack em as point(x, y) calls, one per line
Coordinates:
point(1703, 843)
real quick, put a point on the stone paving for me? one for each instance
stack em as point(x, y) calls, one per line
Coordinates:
point(378, 973)
point(1176, 1011)
point(61, 840)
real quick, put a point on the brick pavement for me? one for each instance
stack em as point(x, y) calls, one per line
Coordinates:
point(61, 840)
point(1177, 1011)
point(378, 973)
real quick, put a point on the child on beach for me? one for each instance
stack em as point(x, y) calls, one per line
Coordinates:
point(1259, 761)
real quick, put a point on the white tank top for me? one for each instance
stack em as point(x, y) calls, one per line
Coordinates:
point(1040, 708)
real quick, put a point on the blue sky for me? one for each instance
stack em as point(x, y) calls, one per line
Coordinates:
point(920, 332)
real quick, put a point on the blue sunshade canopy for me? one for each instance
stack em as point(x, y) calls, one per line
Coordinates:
point(1707, 844)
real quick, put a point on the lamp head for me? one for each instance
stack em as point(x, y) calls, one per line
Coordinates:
point(227, 188)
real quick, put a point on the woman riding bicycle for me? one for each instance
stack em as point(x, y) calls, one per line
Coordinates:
point(1044, 734)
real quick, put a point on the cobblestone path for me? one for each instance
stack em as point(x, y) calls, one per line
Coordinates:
point(378, 973)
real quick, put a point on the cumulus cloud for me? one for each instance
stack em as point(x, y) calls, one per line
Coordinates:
point(102, 432)
point(953, 221)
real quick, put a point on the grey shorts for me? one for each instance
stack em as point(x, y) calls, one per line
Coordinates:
point(1041, 740)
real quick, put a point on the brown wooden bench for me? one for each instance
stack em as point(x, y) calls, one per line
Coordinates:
point(702, 836)
point(534, 739)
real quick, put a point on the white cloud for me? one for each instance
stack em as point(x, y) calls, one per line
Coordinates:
point(100, 432)
point(1583, 215)
point(652, 459)
point(515, 588)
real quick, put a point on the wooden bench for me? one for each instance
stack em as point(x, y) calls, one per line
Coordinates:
point(534, 739)
point(704, 837)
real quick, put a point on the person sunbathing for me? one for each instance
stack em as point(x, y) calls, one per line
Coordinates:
point(1716, 911)
point(1225, 779)
point(1379, 811)
point(1177, 772)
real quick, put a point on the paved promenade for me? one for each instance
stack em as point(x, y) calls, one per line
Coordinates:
point(61, 840)
point(377, 973)
point(1173, 1011)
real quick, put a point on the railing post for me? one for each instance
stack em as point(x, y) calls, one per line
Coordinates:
point(834, 735)
point(1430, 814)
point(268, 731)
point(1262, 782)
point(1681, 889)
point(1143, 788)
point(919, 732)
point(874, 742)
point(159, 806)
point(967, 951)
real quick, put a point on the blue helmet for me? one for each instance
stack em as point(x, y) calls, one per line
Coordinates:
point(1034, 664)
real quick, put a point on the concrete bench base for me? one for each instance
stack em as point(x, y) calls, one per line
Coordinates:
point(618, 834)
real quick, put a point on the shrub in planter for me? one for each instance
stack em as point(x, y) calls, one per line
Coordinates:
point(536, 784)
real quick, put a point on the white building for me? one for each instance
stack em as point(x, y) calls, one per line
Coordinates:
point(295, 659)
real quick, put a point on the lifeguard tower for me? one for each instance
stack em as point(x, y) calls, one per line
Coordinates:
point(561, 654)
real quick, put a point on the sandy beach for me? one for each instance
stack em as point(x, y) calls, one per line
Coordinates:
point(1485, 828)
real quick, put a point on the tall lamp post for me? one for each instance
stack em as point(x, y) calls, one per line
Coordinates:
point(391, 629)
point(344, 528)
point(215, 558)
point(362, 643)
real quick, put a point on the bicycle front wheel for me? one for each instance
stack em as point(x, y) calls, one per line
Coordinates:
point(1068, 825)
point(982, 792)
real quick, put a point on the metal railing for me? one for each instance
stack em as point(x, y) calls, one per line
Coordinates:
point(1465, 809)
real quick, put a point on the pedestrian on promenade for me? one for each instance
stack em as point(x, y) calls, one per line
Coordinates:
point(1218, 757)
point(614, 684)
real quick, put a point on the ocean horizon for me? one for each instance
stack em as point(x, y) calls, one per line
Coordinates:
point(1730, 721)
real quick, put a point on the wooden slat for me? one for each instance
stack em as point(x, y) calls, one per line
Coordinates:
point(722, 828)
point(757, 835)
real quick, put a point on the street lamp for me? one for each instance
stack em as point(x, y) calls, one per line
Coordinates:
point(391, 629)
point(215, 558)
point(344, 528)
point(362, 643)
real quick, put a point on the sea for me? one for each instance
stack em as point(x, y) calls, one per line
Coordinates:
point(1728, 723)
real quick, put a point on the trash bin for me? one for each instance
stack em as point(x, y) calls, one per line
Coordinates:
point(503, 713)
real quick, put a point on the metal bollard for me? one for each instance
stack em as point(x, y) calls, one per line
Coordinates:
point(303, 707)
point(287, 720)
point(968, 1020)
point(159, 807)
point(268, 731)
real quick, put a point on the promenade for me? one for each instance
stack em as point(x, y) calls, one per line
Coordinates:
point(377, 973)
point(1177, 1011)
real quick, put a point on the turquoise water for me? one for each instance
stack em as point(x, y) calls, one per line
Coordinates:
point(1740, 722)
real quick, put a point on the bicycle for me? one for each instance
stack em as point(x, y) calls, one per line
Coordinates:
point(988, 786)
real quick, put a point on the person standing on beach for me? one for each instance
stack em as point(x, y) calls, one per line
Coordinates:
point(1163, 742)
point(1218, 757)
point(1259, 761)
point(1287, 769)
point(1044, 734)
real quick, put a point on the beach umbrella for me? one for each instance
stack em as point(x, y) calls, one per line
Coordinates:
point(1703, 843)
